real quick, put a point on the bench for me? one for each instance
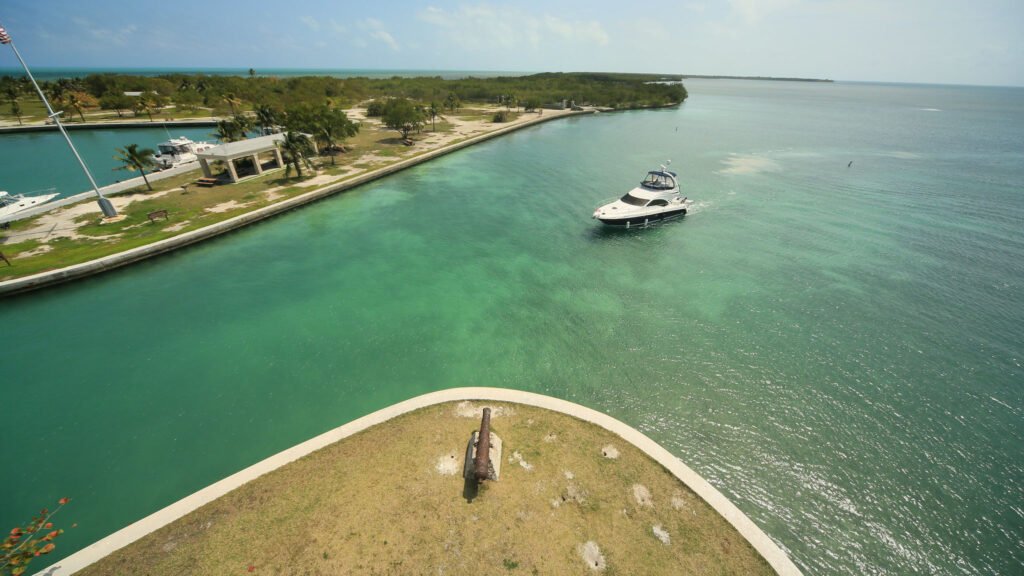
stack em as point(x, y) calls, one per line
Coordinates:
point(158, 214)
point(206, 182)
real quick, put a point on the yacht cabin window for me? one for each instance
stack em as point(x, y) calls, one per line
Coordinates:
point(657, 181)
point(634, 201)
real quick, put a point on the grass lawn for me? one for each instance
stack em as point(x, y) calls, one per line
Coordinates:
point(188, 208)
point(391, 500)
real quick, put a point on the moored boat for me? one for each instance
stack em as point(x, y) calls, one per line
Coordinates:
point(178, 151)
point(11, 204)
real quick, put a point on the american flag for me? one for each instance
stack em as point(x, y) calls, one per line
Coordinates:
point(5, 38)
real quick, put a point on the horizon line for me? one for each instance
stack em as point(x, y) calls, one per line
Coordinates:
point(194, 69)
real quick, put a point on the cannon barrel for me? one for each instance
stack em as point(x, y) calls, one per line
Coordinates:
point(483, 448)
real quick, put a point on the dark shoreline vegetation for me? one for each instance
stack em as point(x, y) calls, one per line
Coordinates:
point(194, 95)
point(772, 78)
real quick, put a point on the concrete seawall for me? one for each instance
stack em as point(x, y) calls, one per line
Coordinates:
point(86, 269)
point(760, 541)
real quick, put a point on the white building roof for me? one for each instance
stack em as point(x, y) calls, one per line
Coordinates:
point(242, 148)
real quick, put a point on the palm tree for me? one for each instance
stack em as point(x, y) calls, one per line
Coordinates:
point(296, 148)
point(434, 112)
point(228, 130)
point(16, 110)
point(143, 104)
point(73, 102)
point(11, 92)
point(266, 117)
point(333, 125)
point(132, 158)
point(232, 101)
point(244, 123)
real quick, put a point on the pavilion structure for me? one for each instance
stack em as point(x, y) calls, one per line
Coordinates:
point(252, 148)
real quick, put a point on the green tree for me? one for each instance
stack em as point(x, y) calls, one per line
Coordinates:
point(116, 102)
point(267, 117)
point(25, 543)
point(452, 102)
point(16, 110)
point(296, 149)
point(11, 91)
point(74, 103)
point(333, 125)
point(143, 105)
point(232, 101)
point(433, 111)
point(401, 114)
point(245, 124)
point(375, 108)
point(229, 131)
point(188, 99)
point(131, 158)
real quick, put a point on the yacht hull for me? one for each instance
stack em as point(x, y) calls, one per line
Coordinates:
point(644, 219)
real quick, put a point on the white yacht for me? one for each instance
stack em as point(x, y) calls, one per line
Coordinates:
point(12, 203)
point(656, 198)
point(179, 151)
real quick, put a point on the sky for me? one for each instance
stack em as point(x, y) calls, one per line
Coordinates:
point(921, 41)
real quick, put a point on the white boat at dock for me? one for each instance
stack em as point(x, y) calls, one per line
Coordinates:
point(11, 204)
point(179, 151)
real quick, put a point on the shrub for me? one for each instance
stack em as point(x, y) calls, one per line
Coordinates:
point(376, 108)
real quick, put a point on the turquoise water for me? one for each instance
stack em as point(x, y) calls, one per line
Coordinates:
point(40, 160)
point(837, 349)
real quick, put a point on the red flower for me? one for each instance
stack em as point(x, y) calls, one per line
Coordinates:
point(252, 568)
point(64, 500)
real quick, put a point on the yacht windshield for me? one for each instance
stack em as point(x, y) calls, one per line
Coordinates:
point(634, 201)
point(658, 181)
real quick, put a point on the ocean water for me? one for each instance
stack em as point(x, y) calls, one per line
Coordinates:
point(836, 347)
point(42, 160)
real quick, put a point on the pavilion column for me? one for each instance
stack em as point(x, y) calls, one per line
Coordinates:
point(277, 155)
point(205, 167)
point(256, 163)
point(232, 172)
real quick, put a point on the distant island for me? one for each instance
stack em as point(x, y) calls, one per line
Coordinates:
point(181, 95)
point(778, 79)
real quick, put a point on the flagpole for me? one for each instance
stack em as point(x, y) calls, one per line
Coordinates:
point(105, 205)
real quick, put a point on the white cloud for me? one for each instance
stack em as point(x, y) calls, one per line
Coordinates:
point(585, 32)
point(386, 38)
point(311, 22)
point(118, 36)
point(375, 29)
point(753, 11)
point(338, 27)
point(478, 26)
